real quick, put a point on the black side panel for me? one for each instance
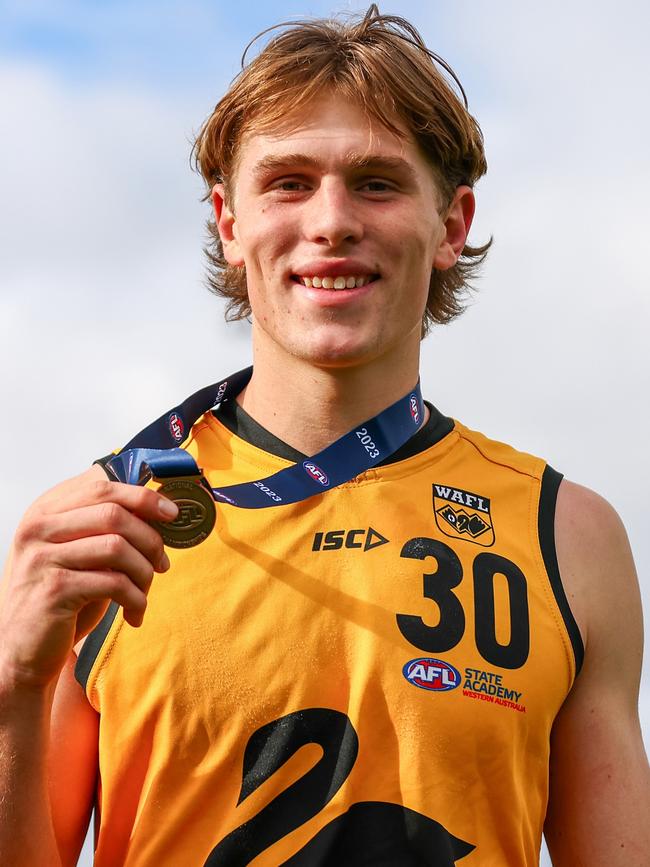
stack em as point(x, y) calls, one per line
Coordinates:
point(546, 525)
point(92, 645)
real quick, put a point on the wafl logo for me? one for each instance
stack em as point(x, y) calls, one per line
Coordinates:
point(316, 473)
point(463, 515)
point(415, 412)
point(176, 426)
point(432, 674)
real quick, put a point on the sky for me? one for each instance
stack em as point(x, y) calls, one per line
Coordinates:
point(105, 321)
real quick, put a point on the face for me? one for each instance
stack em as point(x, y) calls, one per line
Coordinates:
point(337, 223)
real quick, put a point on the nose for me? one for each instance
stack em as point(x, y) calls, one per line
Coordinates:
point(332, 219)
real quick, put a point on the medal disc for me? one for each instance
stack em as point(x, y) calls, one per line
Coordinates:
point(196, 514)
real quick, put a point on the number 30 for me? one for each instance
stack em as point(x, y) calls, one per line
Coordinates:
point(439, 586)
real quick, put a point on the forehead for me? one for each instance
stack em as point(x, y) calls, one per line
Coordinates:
point(329, 131)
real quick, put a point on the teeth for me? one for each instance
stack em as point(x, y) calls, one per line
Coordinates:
point(336, 282)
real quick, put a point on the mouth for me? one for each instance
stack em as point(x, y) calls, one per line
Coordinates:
point(342, 281)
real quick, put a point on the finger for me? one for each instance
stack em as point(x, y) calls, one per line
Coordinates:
point(77, 589)
point(91, 614)
point(107, 518)
point(108, 551)
point(145, 502)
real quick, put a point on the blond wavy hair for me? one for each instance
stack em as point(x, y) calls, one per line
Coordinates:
point(380, 61)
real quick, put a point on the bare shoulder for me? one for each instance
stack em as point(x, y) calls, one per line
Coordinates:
point(599, 793)
point(582, 510)
point(596, 565)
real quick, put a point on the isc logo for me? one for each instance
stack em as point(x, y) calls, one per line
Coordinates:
point(334, 540)
point(432, 674)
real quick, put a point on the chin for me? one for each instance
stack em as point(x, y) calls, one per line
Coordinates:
point(340, 354)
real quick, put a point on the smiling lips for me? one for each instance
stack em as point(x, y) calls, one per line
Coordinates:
point(340, 282)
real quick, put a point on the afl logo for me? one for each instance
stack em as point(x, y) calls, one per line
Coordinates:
point(316, 473)
point(432, 674)
point(176, 427)
point(415, 412)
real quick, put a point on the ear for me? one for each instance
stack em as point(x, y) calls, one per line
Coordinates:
point(457, 224)
point(225, 220)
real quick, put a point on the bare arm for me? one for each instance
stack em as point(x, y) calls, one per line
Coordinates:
point(81, 545)
point(600, 781)
point(72, 766)
point(48, 757)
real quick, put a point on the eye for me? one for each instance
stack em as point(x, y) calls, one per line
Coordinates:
point(377, 185)
point(289, 185)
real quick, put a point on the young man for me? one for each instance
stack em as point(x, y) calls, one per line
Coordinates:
point(423, 664)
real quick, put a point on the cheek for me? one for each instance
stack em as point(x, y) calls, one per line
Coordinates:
point(416, 255)
point(415, 236)
point(264, 244)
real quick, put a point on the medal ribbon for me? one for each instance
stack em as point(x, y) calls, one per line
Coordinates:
point(155, 450)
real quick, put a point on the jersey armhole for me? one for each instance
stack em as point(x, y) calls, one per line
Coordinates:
point(551, 480)
point(92, 645)
point(95, 639)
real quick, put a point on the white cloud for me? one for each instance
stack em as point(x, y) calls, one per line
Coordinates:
point(104, 321)
point(104, 317)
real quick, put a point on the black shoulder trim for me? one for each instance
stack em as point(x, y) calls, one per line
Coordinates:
point(93, 644)
point(546, 527)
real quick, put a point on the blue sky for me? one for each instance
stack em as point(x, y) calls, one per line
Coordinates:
point(178, 46)
point(101, 230)
point(151, 42)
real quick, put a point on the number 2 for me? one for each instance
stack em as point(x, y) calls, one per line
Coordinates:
point(347, 840)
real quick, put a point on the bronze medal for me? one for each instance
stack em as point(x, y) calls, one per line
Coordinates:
point(196, 513)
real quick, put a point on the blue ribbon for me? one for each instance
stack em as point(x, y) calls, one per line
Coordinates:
point(155, 450)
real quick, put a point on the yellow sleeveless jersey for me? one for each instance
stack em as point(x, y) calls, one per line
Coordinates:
point(368, 677)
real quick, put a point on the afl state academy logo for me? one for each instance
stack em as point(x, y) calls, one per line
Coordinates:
point(432, 674)
point(176, 426)
point(316, 473)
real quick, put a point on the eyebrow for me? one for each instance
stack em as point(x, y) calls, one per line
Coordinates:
point(354, 160)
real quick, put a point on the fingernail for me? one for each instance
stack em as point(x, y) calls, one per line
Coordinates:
point(164, 563)
point(167, 508)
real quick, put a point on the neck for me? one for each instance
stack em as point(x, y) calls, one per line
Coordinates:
point(309, 407)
